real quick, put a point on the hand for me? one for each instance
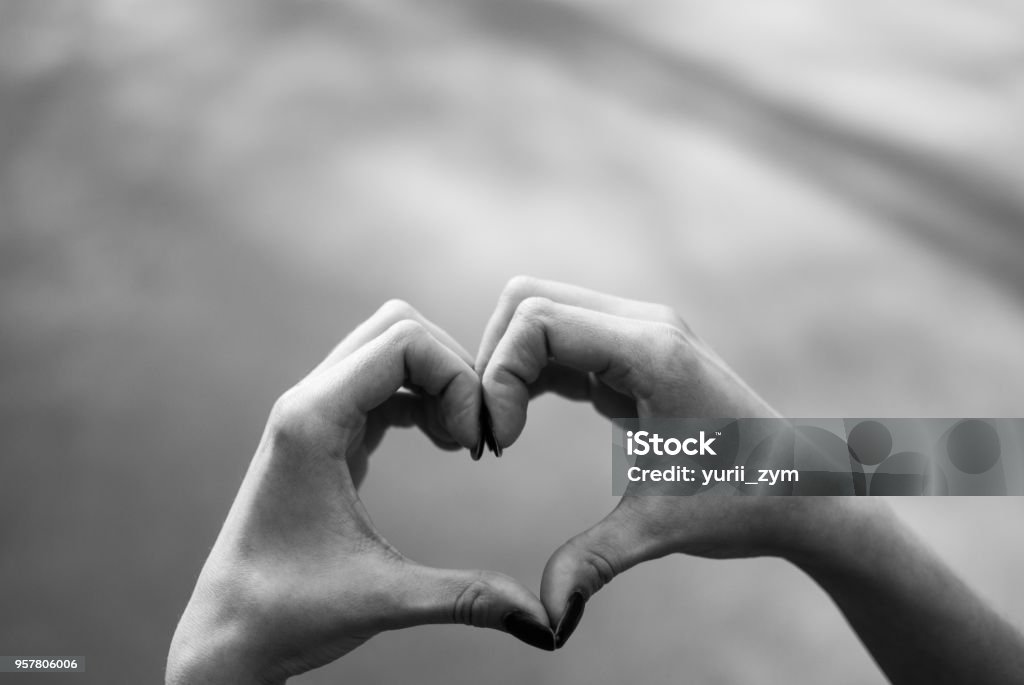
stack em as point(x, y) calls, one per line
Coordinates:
point(638, 359)
point(628, 359)
point(298, 575)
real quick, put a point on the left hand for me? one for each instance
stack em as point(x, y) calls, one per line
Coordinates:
point(298, 576)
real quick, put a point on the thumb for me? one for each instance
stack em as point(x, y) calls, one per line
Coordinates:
point(485, 599)
point(588, 562)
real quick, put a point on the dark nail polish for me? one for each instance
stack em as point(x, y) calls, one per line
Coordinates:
point(488, 429)
point(570, 618)
point(485, 427)
point(478, 449)
point(528, 630)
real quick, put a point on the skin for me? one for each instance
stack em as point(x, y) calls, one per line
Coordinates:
point(627, 358)
point(298, 576)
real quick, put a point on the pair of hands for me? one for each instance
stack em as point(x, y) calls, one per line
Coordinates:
point(299, 576)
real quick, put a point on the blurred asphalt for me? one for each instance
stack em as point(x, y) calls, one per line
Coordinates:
point(197, 200)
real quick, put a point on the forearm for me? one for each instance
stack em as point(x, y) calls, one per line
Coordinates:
point(917, 619)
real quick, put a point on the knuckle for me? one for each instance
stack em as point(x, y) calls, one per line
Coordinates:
point(286, 410)
point(520, 287)
point(666, 314)
point(532, 309)
point(672, 351)
point(469, 607)
point(668, 341)
point(598, 562)
point(292, 422)
point(406, 330)
point(656, 349)
point(682, 324)
point(396, 310)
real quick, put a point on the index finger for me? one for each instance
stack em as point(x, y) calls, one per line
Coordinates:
point(386, 316)
point(619, 351)
point(521, 288)
point(406, 353)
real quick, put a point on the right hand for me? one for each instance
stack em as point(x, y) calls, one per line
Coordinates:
point(628, 359)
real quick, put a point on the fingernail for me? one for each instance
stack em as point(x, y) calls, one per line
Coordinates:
point(485, 426)
point(524, 627)
point(570, 618)
point(492, 443)
point(488, 438)
point(488, 429)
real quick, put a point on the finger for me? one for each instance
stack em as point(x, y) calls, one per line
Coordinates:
point(401, 410)
point(406, 353)
point(521, 288)
point(625, 354)
point(406, 409)
point(582, 386)
point(390, 313)
point(484, 599)
point(586, 563)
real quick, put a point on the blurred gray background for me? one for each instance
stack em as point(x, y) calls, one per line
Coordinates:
point(197, 200)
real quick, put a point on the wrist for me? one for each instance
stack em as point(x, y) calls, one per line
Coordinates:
point(212, 663)
point(210, 648)
point(835, 534)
